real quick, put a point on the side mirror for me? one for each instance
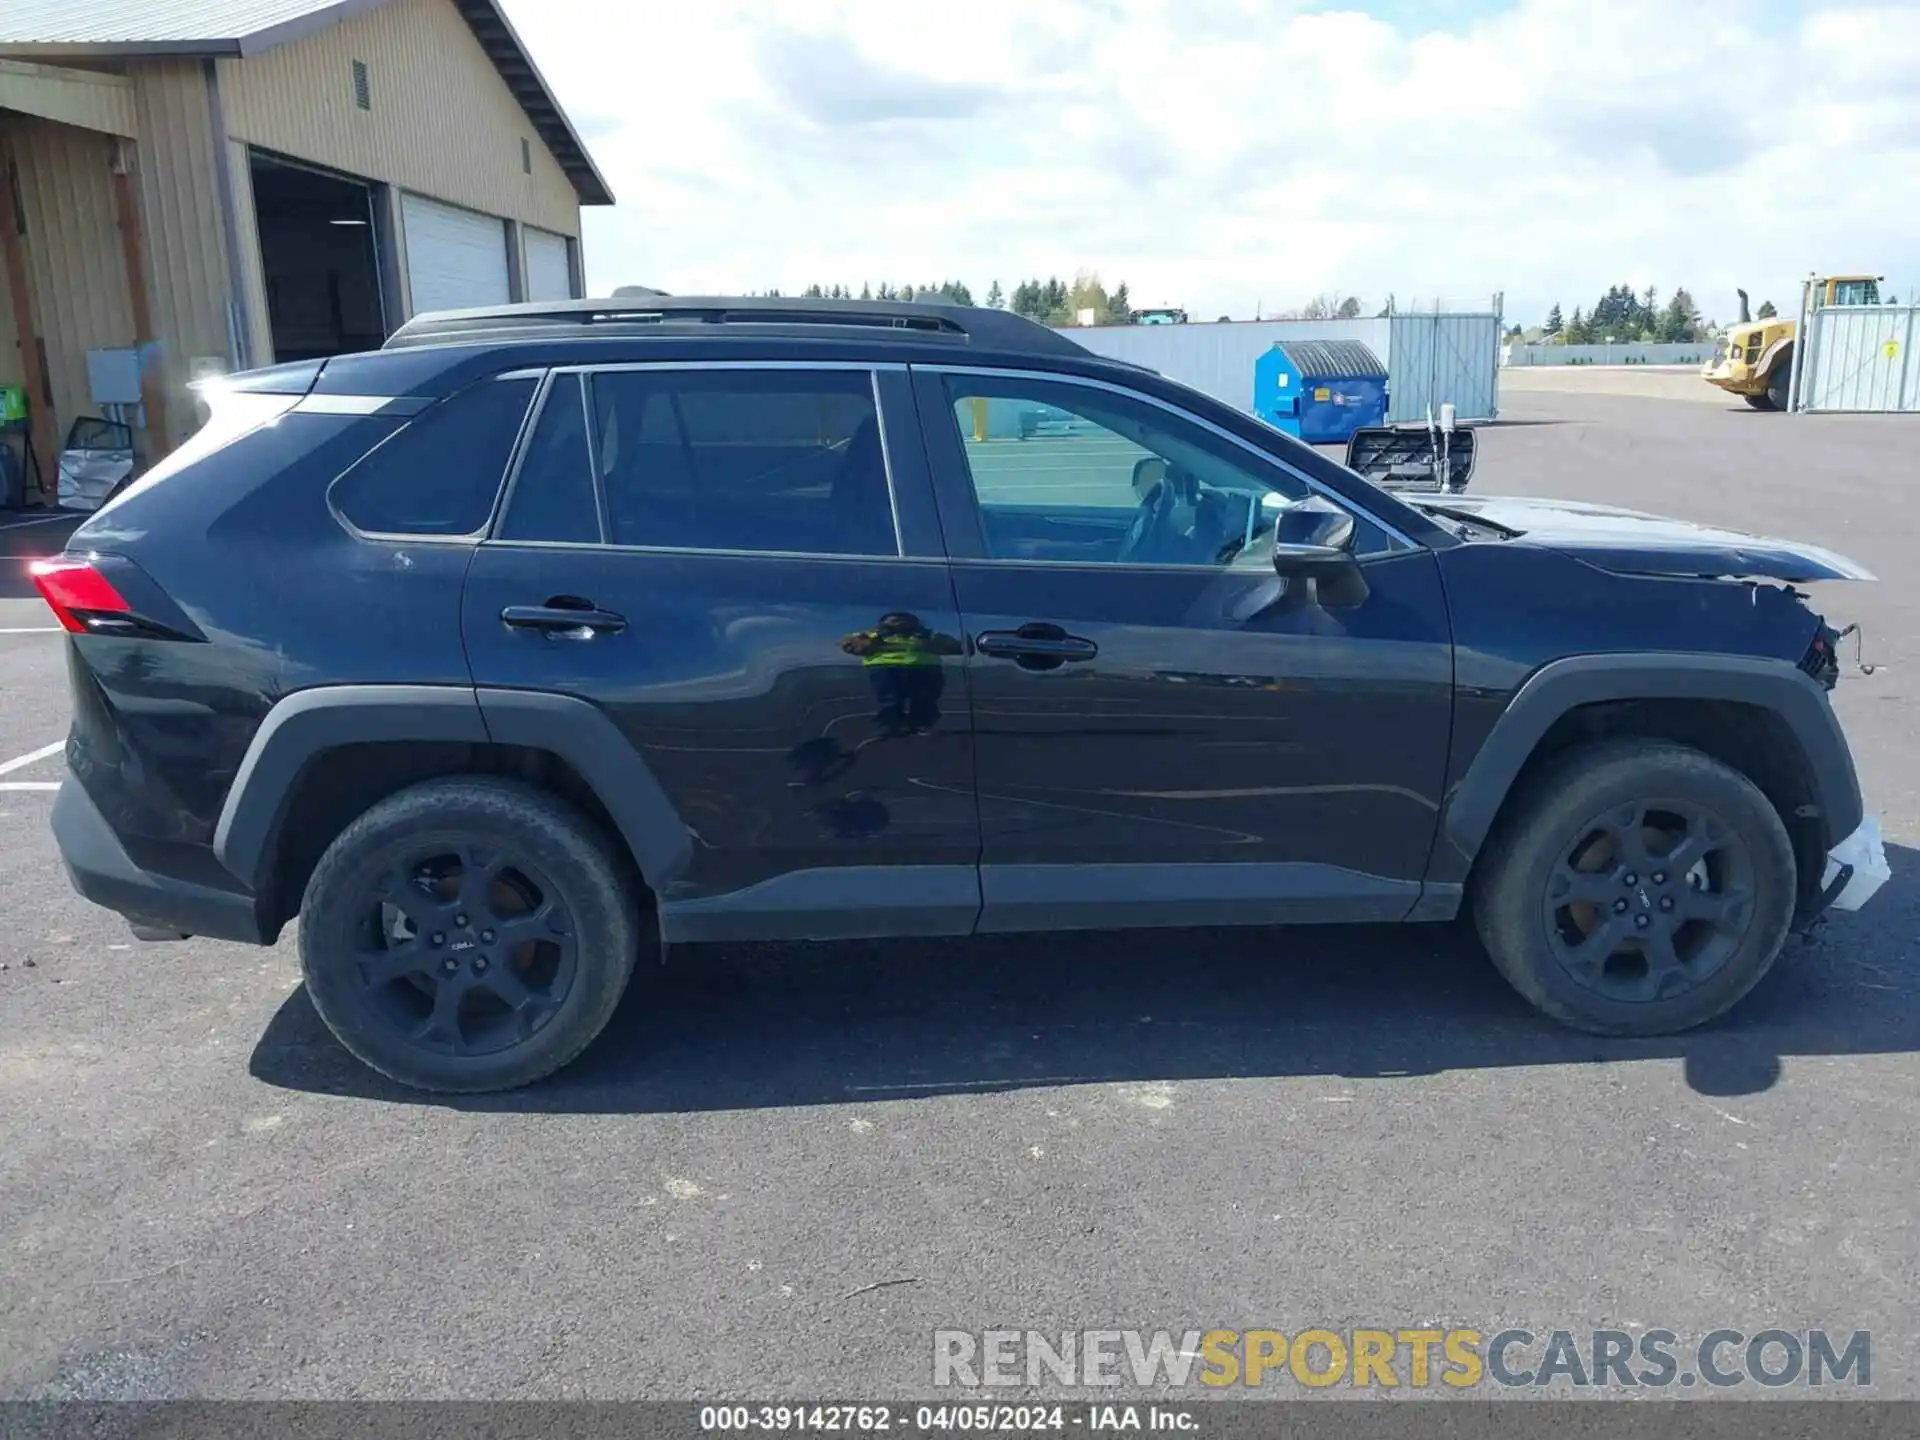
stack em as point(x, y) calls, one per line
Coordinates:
point(1311, 533)
point(1313, 540)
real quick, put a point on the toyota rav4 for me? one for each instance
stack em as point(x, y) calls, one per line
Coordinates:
point(551, 634)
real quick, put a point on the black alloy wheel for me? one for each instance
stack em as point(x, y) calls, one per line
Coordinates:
point(469, 933)
point(466, 950)
point(1649, 900)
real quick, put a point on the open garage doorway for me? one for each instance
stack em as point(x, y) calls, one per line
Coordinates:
point(320, 259)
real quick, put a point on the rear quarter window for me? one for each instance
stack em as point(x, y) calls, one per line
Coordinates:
point(440, 473)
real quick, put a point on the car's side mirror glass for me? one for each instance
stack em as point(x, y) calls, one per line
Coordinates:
point(1313, 523)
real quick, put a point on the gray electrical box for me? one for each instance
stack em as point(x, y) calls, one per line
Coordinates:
point(113, 373)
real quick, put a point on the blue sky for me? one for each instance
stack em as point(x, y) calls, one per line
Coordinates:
point(1220, 154)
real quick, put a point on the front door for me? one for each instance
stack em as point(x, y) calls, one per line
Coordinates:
point(1165, 732)
point(735, 567)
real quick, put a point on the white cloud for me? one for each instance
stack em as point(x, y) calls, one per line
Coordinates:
point(1216, 153)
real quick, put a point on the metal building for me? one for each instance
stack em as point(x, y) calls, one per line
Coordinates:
point(227, 183)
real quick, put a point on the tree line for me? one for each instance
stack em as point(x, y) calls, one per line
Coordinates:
point(1052, 302)
point(1622, 315)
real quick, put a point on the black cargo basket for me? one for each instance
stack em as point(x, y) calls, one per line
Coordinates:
point(1401, 457)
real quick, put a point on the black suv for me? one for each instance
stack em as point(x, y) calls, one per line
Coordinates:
point(546, 630)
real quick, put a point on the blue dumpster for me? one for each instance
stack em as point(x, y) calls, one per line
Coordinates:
point(1320, 390)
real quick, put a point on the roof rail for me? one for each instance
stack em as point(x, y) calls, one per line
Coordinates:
point(636, 313)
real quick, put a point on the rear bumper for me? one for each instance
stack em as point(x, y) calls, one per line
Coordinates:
point(103, 872)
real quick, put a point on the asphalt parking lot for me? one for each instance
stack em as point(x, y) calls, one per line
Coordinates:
point(781, 1170)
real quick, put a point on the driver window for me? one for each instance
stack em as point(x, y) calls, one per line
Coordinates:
point(1068, 472)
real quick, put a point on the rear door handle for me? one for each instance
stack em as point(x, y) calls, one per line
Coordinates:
point(1034, 642)
point(564, 621)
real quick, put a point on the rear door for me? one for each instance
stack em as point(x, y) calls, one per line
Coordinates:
point(1165, 732)
point(738, 567)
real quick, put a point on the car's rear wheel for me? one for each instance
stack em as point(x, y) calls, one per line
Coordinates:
point(467, 935)
point(1636, 887)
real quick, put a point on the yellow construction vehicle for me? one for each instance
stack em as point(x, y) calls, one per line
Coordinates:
point(1755, 358)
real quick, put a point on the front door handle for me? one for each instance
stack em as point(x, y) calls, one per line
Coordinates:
point(1035, 641)
point(570, 622)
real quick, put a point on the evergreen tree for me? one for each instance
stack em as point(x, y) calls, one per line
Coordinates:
point(1680, 321)
point(1555, 322)
point(996, 297)
point(1119, 308)
point(1766, 311)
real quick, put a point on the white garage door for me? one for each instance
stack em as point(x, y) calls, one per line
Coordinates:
point(549, 274)
point(455, 258)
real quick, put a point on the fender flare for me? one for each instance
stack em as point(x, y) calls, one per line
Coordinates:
point(581, 733)
point(1564, 685)
point(308, 723)
point(1770, 356)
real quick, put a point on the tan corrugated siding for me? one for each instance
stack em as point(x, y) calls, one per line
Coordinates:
point(180, 209)
point(75, 266)
point(73, 97)
point(442, 121)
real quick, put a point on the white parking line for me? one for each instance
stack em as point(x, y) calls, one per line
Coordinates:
point(20, 762)
point(37, 520)
point(29, 629)
point(29, 784)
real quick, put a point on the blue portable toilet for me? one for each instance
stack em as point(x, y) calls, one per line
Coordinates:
point(1320, 390)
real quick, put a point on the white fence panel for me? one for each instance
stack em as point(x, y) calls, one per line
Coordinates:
point(1444, 357)
point(1860, 358)
point(1633, 352)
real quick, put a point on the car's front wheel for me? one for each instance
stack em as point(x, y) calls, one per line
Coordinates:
point(1636, 887)
point(468, 934)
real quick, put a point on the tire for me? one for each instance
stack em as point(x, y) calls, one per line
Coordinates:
point(1553, 890)
point(1759, 402)
point(1781, 380)
point(513, 991)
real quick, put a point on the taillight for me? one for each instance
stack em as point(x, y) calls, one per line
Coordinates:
point(75, 591)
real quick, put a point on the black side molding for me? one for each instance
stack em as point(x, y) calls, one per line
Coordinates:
point(1182, 893)
point(1563, 685)
point(311, 721)
point(849, 902)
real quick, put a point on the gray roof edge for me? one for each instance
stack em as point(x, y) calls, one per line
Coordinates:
point(103, 49)
point(592, 187)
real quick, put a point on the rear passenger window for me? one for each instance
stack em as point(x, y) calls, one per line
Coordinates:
point(743, 460)
point(439, 474)
point(553, 493)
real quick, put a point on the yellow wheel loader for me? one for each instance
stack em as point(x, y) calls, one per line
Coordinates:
point(1755, 358)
